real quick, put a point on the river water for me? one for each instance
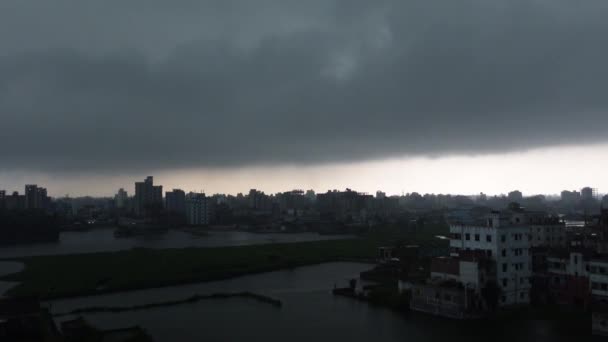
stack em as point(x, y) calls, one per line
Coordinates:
point(6, 268)
point(103, 240)
point(309, 313)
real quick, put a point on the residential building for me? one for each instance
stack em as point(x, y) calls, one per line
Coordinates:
point(198, 211)
point(567, 277)
point(570, 196)
point(348, 205)
point(148, 197)
point(36, 197)
point(504, 238)
point(175, 201)
point(259, 201)
point(588, 194)
point(598, 277)
point(121, 199)
point(446, 298)
point(546, 230)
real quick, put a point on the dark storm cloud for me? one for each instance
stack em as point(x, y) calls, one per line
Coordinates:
point(129, 85)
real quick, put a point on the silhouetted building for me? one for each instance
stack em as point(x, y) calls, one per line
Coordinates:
point(570, 196)
point(515, 196)
point(121, 199)
point(292, 200)
point(2, 199)
point(15, 201)
point(588, 194)
point(36, 197)
point(258, 200)
point(311, 195)
point(346, 205)
point(197, 209)
point(148, 197)
point(175, 201)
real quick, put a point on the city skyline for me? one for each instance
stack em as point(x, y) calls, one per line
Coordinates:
point(547, 171)
point(227, 169)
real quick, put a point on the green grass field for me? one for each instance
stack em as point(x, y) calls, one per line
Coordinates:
point(86, 274)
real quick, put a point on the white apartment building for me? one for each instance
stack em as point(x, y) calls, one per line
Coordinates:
point(506, 241)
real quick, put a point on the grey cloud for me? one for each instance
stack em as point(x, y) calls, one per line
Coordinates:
point(135, 85)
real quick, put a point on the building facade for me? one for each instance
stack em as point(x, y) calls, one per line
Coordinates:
point(507, 243)
point(36, 197)
point(197, 209)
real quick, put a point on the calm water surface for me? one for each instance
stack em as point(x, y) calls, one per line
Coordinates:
point(309, 313)
point(103, 240)
point(5, 269)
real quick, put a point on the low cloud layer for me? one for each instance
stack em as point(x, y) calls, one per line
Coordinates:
point(131, 85)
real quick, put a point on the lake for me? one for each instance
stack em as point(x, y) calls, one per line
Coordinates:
point(103, 240)
point(309, 313)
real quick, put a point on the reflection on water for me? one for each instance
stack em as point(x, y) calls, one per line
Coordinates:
point(7, 267)
point(309, 313)
point(103, 240)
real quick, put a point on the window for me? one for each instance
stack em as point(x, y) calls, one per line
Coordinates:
point(504, 267)
point(489, 253)
point(503, 299)
point(505, 282)
point(476, 237)
point(504, 252)
point(467, 237)
point(522, 295)
point(595, 286)
point(503, 238)
point(521, 280)
point(458, 236)
point(489, 238)
point(604, 286)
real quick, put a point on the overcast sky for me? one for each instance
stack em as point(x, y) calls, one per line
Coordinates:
point(291, 93)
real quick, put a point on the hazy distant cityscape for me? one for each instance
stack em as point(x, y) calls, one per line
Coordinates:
point(300, 209)
point(453, 256)
point(290, 170)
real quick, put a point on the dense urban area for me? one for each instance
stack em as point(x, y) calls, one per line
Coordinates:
point(454, 256)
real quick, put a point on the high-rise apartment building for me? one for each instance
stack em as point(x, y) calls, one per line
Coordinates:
point(147, 197)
